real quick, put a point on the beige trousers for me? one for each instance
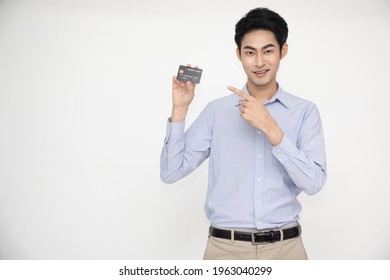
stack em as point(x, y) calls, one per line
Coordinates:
point(225, 249)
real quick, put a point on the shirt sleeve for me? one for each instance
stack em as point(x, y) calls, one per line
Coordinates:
point(305, 161)
point(183, 151)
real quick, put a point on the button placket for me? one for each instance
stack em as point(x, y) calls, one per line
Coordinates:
point(258, 176)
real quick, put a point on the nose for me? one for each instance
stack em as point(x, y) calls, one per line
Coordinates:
point(260, 61)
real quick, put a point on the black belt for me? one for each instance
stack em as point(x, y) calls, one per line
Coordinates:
point(257, 237)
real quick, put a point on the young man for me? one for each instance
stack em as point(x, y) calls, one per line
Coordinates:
point(264, 146)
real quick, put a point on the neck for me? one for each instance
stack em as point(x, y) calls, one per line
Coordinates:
point(262, 93)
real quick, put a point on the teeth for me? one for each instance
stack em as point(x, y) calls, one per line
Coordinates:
point(261, 72)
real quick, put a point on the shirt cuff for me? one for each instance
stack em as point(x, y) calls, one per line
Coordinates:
point(175, 130)
point(285, 151)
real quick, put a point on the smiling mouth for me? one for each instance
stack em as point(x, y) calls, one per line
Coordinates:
point(261, 73)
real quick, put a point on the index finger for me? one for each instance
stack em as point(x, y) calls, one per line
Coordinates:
point(238, 92)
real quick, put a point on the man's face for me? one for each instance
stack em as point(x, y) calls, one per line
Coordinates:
point(260, 57)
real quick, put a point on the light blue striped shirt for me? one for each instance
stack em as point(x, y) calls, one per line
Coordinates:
point(252, 184)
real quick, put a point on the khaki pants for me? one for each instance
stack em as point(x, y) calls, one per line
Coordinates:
point(225, 249)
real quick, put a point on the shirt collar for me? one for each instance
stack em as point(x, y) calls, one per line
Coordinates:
point(279, 96)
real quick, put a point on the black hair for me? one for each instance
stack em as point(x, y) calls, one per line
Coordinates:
point(262, 19)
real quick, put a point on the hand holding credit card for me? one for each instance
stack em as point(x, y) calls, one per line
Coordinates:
point(191, 74)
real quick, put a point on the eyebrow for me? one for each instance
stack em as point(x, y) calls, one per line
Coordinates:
point(263, 48)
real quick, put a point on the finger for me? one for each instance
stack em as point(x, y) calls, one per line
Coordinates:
point(238, 92)
point(196, 66)
point(186, 84)
point(243, 103)
point(175, 80)
point(177, 83)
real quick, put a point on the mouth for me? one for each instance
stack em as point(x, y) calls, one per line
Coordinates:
point(260, 73)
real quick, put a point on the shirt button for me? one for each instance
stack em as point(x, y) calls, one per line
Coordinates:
point(259, 132)
point(259, 155)
point(259, 179)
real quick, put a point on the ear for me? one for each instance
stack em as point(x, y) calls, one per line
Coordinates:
point(284, 51)
point(238, 53)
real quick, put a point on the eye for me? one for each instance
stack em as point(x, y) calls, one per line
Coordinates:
point(249, 53)
point(269, 51)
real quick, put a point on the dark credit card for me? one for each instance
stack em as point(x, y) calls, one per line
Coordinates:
point(191, 74)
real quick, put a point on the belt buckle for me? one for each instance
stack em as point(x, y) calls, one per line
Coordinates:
point(262, 233)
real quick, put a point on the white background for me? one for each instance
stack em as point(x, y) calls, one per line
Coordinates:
point(84, 99)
